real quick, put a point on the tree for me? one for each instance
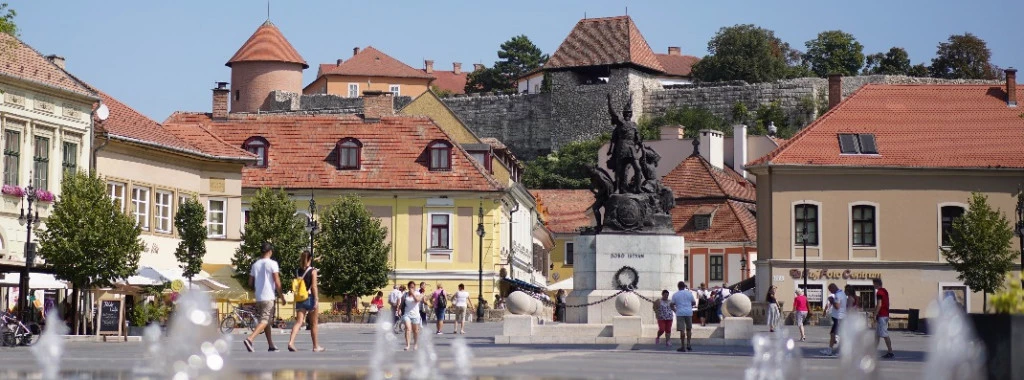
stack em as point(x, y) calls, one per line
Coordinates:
point(7, 24)
point(979, 248)
point(516, 57)
point(567, 168)
point(88, 240)
point(693, 119)
point(744, 52)
point(486, 79)
point(191, 223)
point(834, 52)
point(272, 218)
point(351, 253)
point(894, 62)
point(963, 57)
point(919, 70)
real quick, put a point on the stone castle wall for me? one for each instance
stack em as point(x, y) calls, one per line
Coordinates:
point(522, 122)
point(283, 101)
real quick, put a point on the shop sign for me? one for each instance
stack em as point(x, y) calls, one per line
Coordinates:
point(826, 274)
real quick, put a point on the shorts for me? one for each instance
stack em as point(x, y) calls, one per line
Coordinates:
point(882, 327)
point(800, 316)
point(665, 325)
point(835, 326)
point(460, 314)
point(686, 321)
point(412, 318)
point(307, 305)
point(439, 313)
point(264, 311)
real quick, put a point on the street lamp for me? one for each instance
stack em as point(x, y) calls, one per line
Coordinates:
point(480, 278)
point(804, 237)
point(1020, 231)
point(743, 266)
point(30, 250)
point(311, 225)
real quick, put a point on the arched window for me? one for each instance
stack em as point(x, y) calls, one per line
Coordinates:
point(260, 147)
point(440, 155)
point(350, 153)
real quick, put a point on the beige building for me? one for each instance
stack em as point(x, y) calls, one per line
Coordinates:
point(876, 183)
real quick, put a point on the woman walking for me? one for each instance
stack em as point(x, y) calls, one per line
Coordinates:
point(560, 306)
point(664, 313)
point(773, 310)
point(800, 311)
point(462, 306)
point(411, 302)
point(307, 274)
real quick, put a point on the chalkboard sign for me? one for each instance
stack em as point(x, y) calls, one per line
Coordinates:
point(111, 317)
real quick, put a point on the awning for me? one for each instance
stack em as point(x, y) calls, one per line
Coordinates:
point(223, 274)
point(565, 284)
point(156, 276)
point(35, 281)
point(523, 285)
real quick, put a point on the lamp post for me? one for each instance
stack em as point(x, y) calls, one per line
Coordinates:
point(311, 225)
point(30, 250)
point(1020, 231)
point(803, 237)
point(480, 278)
point(743, 266)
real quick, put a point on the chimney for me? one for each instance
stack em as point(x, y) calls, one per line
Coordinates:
point(355, 51)
point(672, 132)
point(429, 65)
point(340, 61)
point(220, 100)
point(674, 50)
point(739, 149)
point(1011, 87)
point(377, 104)
point(712, 146)
point(478, 66)
point(835, 90)
point(57, 60)
point(457, 68)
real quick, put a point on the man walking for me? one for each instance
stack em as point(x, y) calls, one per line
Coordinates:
point(683, 303)
point(882, 317)
point(838, 306)
point(393, 299)
point(266, 280)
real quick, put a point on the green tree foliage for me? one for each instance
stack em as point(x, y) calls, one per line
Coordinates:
point(191, 224)
point(440, 92)
point(770, 113)
point(980, 246)
point(350, 250)
point(963, 57)
point(693, 119)
point(834, 52)
point(272, 218)
point(516, 57)
point(567, 168)
point(7, 24)
point(744, 52)
point(919, 70)
point(894, 62)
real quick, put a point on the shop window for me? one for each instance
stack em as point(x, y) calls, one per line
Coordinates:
point(814, 293)
point(865, 295)
point(717, 267)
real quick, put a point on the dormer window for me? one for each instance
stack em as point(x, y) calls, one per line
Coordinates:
point(260, 147)
point(863, 143)
point(440, 155)
point(350, 153)
point(702, 222)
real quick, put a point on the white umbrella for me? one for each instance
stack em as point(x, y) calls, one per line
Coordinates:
point(565, 284)
point(35, 281)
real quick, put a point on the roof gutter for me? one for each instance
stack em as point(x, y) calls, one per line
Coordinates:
point(813, 166)
point(178, 150)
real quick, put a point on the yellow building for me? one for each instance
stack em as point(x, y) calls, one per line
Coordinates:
point(565, 213)
point(369, 69)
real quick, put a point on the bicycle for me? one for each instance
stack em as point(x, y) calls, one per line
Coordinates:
point(13, 332)
point(239, 317)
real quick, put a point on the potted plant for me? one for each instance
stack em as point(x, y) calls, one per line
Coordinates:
point(138, 317)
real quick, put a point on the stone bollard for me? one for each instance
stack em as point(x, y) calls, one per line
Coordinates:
point(627, 304)
point(737, 305)
point(520, 303)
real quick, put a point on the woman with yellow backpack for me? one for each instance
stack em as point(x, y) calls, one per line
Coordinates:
point(305, 290)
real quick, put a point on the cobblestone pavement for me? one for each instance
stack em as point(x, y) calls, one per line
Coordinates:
point(349, 347)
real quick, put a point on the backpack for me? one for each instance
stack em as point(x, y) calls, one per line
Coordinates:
point(442, 301)
point(299, 287)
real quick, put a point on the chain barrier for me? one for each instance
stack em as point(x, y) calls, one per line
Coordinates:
point(606, 299)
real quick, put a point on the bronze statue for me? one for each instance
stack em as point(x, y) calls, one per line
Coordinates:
point(602, 186)
point(625, 147)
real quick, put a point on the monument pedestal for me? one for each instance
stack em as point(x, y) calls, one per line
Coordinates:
point(656, 260)
point(738, 327)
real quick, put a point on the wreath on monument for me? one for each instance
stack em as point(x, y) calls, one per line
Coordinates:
point(626, 278)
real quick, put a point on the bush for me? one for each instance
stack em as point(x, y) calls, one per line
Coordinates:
point(1011, 300)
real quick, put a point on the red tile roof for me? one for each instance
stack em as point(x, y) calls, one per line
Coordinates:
point(677, 65)
point(267, 44)
point(302, 152)
point(604, 41)
point(448, 80)
point(374, 63)
point(21, 61)
point(731, 221)
point(565, 211)
point(915, 126)
point(695, 178)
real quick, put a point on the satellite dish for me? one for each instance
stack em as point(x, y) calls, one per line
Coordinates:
point(102, 112)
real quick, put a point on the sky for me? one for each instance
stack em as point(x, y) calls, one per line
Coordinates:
point(164, 56)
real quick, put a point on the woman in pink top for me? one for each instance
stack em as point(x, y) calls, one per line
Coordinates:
point(800, 311)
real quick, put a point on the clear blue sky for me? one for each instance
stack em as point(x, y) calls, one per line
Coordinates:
point(162, 56)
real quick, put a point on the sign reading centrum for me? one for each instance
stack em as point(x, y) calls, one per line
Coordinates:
point(627, 255)
point(834, 275)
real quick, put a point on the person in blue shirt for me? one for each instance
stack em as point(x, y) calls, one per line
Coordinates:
point(683, 303)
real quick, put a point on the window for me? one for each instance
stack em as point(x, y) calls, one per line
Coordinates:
point(70, 162)
point(12, 152)
point(814, 296)
point(806, 217)
point(439, 231)
point(702, 222)
point(865, 295)
point(686, 267)
point(569, 251)
point(349, 153)
point(140, 206)
point(238, 94)
point(182, 198)
point(41, 163)
point(957, 292)
point(863, 220)
point(949, 214)
point(483, 157)
point(353, 90)
point(163, 211)
point(116, 191)
point(717, 267)
point(215, 212)
point(260, 147)
point(440, 156)
point(857, 143)
point(395, 89)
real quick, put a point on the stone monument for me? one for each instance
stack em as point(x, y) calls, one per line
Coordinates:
point(632, 245)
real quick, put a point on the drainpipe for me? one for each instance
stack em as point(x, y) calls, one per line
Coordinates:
point(92, 137)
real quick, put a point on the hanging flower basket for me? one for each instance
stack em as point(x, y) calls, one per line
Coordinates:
point(44, 196)
point(13, 191)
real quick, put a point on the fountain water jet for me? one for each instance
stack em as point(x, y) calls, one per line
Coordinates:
point(776, 357)
point(382, 359)
point(857, 350)
point(426, 358)
point(955, 351)
point(50, 347)
point(463, 358)
point(195, 347)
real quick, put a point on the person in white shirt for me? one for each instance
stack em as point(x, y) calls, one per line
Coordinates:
point(393, 299)
point(411, 302)
point(682, 303)
point(837, 303)
point(462, 305)
point(265, 278)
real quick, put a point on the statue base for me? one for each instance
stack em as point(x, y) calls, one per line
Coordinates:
point(638, 213)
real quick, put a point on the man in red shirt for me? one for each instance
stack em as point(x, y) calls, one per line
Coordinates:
point(882, 317)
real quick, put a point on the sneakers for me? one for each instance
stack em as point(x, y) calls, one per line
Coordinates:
point(248, 344)
point(273, 349)
point(681, 349)
point(828, 352)
point(688, 348)
point(889, 355)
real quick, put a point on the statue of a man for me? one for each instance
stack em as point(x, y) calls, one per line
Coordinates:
point(602, 186)
point(624, 149)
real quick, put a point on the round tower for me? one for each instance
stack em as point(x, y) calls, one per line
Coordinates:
point(265, 63)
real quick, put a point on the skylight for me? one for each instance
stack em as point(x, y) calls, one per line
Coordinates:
point(863, 143)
